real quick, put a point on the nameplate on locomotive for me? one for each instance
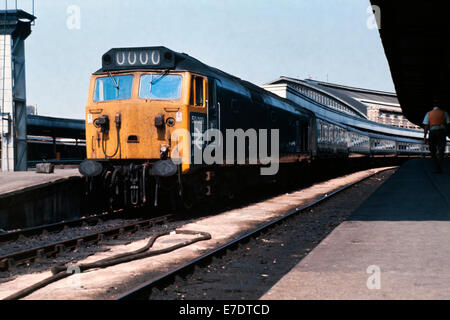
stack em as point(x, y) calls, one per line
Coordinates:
point(138, 58)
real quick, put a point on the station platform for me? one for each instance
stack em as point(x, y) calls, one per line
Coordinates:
point(395, 246)
point(13, 182)
point(29, 199)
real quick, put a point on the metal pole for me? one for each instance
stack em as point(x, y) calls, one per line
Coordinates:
point(54, 147)
point(4, 141)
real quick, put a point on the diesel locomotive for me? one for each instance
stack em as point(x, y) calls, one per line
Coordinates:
point(142, 98)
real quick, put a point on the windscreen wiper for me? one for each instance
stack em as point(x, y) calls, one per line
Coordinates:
point(114, 81)
point(161, 75)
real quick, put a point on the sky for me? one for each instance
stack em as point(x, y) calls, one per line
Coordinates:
point(256, 40)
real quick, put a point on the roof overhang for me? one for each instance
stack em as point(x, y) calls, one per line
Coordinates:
point(16, 23)
point(415, 39)
point(55, 127)
point(361, 111)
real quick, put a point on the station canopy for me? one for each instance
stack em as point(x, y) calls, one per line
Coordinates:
point(416, 37)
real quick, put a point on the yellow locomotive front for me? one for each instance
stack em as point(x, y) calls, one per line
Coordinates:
point(135, 104)
point(132, 115)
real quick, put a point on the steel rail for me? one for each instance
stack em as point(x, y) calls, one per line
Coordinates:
point(169, 277)
point(58, 226)
point(53, 249)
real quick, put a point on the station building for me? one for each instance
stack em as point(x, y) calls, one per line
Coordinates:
point(378, 106)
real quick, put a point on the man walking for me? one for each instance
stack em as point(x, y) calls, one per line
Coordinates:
point(436, 122)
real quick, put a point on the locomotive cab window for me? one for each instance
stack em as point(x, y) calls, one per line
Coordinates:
point(197, 96)
point(160, 87)
point(113, 88)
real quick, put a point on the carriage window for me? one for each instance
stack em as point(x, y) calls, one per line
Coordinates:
point(113, 88)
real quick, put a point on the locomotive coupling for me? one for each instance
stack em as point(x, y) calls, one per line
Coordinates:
point(102, 123)
point(118, 120)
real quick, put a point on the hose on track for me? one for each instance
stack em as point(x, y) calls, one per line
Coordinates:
point(61, 271)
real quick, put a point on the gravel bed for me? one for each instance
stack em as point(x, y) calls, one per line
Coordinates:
point(25, 243)
point(249, 271)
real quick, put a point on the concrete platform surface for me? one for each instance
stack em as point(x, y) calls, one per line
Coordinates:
point(11, 182)
point(395, 246)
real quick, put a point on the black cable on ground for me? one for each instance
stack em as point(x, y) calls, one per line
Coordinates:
point(60, 272)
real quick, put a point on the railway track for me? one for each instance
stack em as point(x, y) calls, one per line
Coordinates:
point(145, 290)
point(51, 250)
point(58, 226)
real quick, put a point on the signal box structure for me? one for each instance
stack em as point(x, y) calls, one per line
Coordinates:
point(15, 27)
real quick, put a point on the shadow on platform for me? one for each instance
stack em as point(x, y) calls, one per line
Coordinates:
point(394, 246)
point(413, 193)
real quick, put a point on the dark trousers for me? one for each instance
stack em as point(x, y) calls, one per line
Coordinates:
point(437, 147)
